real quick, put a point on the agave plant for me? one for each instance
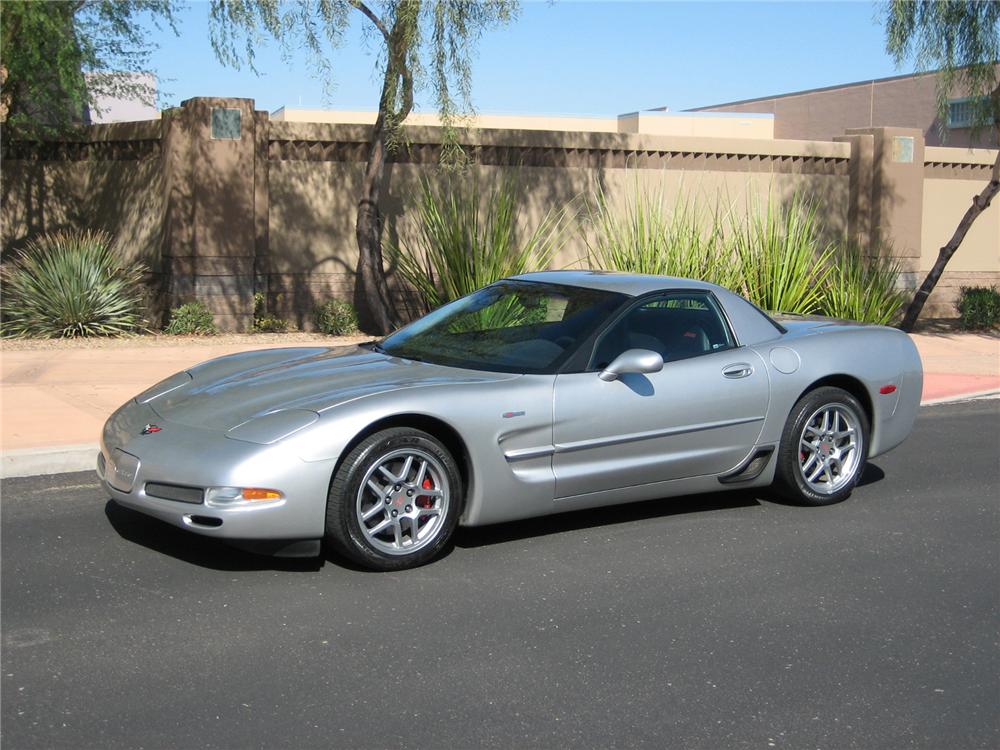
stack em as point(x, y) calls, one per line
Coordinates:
point(468, 240)
point(863, 286)
point(783, 262)
point(69, 284)
point(644, 235)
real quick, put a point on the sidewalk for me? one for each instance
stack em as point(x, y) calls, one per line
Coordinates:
point(55, 397)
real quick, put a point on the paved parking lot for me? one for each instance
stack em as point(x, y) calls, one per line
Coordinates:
point(717, 621)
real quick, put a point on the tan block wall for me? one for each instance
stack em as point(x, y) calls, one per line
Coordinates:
point(113, 181)
point(314, 181)
point(274, 211)
point(952, 177)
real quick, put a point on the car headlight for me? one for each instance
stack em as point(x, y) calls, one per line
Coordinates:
point(178, 380)
point(270, 428)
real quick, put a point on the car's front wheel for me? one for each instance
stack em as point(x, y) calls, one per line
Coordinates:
point(395, 500)
point(823, 447)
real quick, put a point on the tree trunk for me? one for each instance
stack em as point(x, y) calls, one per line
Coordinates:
point(979, 204)
point(372, 290)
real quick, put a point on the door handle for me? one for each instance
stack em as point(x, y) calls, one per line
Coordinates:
point(738, 370)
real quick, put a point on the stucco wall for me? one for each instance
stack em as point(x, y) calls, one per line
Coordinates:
point(273, 208)
point(952, 176)
point(113, 180)
point(314, 181)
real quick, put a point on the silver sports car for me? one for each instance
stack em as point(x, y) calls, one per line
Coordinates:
point(538, 394)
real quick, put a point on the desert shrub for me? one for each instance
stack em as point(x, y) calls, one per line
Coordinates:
point(468, 239)
point(69, 284)
point(783, 263)
point(979, 307)
point(863, 286)
point(191, 318)
point(337, 318)
point(643, 234)
point(263, 321)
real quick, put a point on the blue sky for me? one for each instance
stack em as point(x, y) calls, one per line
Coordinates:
point(571, 57)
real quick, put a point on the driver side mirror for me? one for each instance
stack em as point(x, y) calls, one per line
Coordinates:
point(632, 360)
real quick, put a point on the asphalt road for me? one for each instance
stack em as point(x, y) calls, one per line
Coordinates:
point(719, 621)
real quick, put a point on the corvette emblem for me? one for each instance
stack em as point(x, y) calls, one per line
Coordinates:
point(151, 428)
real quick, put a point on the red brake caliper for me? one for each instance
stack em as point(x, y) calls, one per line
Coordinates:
point(424, 501)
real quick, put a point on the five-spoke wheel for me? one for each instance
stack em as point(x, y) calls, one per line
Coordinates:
point(823, 448)
point(395, 500)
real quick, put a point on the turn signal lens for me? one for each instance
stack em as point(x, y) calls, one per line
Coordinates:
point(229, 497)
point(258, 493)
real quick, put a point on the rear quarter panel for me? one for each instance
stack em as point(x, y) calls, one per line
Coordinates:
point(874, 356)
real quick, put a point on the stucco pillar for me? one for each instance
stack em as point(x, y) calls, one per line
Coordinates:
point(212, 233)
point(861, 176)
point(897, 191)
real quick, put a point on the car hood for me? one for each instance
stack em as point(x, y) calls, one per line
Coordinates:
point(230, 390)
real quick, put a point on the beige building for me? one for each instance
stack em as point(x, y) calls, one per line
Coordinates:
point(822, 114)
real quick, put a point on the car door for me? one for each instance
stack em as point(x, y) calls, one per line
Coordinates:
point(700, 415)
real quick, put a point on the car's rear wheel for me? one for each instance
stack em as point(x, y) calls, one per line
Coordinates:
point(395, 500)
point(823, 447)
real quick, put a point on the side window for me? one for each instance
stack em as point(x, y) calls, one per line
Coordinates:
point(677, 326)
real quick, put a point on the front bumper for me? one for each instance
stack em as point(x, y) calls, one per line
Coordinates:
point(191, 458)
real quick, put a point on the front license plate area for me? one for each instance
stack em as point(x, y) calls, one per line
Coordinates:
point(122, 469)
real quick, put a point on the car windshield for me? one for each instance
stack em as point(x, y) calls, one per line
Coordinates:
point(510, 326)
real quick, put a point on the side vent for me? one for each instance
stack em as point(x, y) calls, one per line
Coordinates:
point(751, 468)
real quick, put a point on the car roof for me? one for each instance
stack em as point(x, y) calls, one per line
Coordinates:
point(614, 281)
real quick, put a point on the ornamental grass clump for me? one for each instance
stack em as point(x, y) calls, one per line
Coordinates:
point(69, 284)
point(468, 239)
point(783, 262)
point(863, 286)
point(643, 235)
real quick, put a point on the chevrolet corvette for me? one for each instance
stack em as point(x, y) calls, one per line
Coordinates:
point(541, 393)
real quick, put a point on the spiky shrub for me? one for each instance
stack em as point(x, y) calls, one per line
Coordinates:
point(468, 239)
point(782, 260)
point(71, 283)
point(863, 286)
point(336, 317)
point(643, 234)
point(192, 318)
point(979, 307)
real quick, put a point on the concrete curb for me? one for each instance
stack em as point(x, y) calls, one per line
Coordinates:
point(989, 393)
point(29, 462)
point(62, 459)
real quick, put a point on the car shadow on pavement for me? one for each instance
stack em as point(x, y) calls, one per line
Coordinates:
point(215, 554)
point(578, 520)
point(480, 536)
point(198, 550)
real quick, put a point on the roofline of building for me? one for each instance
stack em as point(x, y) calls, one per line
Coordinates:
point(835, 87)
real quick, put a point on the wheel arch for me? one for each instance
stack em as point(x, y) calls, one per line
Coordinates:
point(852, 385)
point(434, 426)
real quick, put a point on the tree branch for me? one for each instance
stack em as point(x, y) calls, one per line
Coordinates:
point(371, 17)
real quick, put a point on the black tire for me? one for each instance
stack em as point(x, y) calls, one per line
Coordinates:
point(387, 550)
point(803, 452)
